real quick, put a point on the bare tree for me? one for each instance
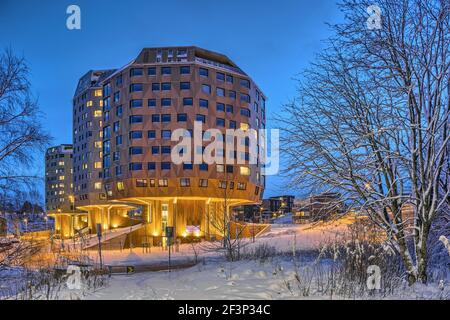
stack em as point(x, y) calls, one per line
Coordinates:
point(21, 134)
point(372, 120)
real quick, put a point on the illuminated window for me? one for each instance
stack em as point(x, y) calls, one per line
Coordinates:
point(98, 165)
point(89, 103)
point(245, 171)
point(97, 113)
point(98, 93)
point(60, 163)
point(61, 178)
point(98, 186)
point(244, 126)
point(185, 182)
point(163, 183)
point(120, 186)
point(241, 186)
point(98, 144)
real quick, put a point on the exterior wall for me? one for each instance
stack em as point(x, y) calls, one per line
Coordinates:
point(58, 178)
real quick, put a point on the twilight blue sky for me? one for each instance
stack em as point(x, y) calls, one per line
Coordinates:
point(271, 40)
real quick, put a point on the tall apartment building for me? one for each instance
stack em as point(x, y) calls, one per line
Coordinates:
point(58, 178)
point(123, 173)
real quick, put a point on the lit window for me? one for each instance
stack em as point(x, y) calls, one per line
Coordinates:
point(98, 93)
point(120, 186)
point(162, 183)
point(98, 165)
point(61, 178)
point(185, 182)
point(89, 103)
point(141, 183)
point(245, 171)
point(244, 126)
point(98, 186)
point(97, 113)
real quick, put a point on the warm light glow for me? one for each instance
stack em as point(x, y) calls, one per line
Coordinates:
point(245, 171)
point(244, 126)
point(115, 226)
point(98, 93)
point(155, 234)
point(184, 234)
point(197, 234)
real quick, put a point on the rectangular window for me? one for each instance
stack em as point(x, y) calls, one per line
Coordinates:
point(136, 103)
point(245, 83)
point(241, 186)
point(155, 118)
point(188, 166)
point(155, 150)
point(165, 165)
point(166, 134)
point(165, 71)
point(203, 183)
point(165, 150)
point(230, 79)
point(220, 76)
point(245, 171)
point(245, 112)
point(152, 182)
point(151, 134)
point(165, 118)
point(141, 183)
point(200, 117)
point(155, 86)
point(151, 103)
point(135, 151)
point(220, 92)
point(222, 184)
point(117, 96)
point(151, 71)
point(136, 119)
point(232, 124)
point(98, 93)
point(232, 94)
point(116, 126)
point(229, 108)
point(185, 85)
point(203, 103)
point(203, 72)
point(181, 117)
point(151, 166)
point(220, 107)
point(203, 167)
point(166, 86)
point(163, 182)
point(135, 135)
point(135, 72)
point(118, 170)
point(166, 102)
point(118, 140)
point(119, 111)
point(206, 88)
point(188, 102)
point(220, 122)
point(119, 80)
point(136, 87)
point(185, 70)
point(135, 166)
point(185, 182)
point(120, 186)
point(245, 97)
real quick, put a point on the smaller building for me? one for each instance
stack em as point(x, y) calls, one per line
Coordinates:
point(318, 207)
point(279, 205)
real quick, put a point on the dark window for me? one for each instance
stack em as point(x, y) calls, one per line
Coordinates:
point(119, 111)
point(220, 76)
point(119, 81)
point(155, 86)
point(220, 107)
point(181, 117)
point(165, 150)
point(166, 102)
point(151, 166)
point(229, 108)
point(200, 117)
point(185, 85)
point(220, 92)
point(166, 71)
point(136, 87)
point(151, 134)
point(203, 72)
point(165, 165)
point(166, 86)
point(232, 124)
point(155, 118)
point(152, 71)
point(229, 79)
point(245, 112)
point(136, 72)
point(118, 140)
point(206, 88)
point(155, 150)
point(245, 83)
point(203, 183)
point(203, 103)
point(135, 150)
point(187, 166)
point(245, 97)
point(136, 119)
point(136, 103)
point(151, 103)
point(230, 169)
point(135, 135)
point(135, 166)
point(185, 70)
point(185, 182)
point(165, 118)
point(141, 183)
point(203, 167)
point(220, 122)
point(188, 101)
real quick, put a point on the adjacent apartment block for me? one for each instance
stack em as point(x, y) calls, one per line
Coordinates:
point(123, 123)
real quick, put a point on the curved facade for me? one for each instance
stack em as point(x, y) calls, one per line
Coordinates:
point(162, 90)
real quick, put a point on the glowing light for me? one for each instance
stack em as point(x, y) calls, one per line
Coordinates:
point(184, 234)
point(155, 234)
point(115, 226)
point(197, 234)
